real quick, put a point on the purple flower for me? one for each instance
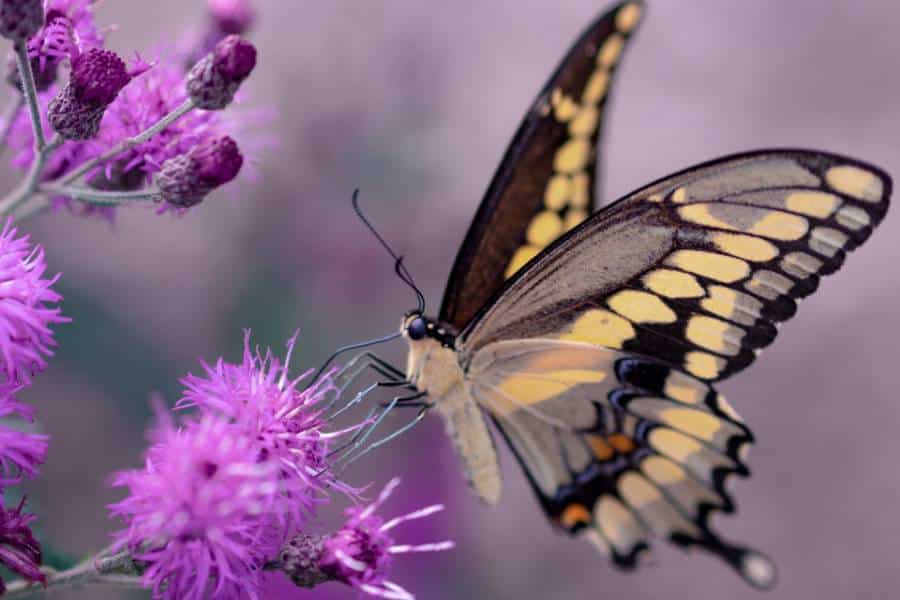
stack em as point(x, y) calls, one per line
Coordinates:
point(359, 554)
point(20, 19)
point(186, 180)
point(68, 30)
point(97, 78)
point(20, 451)
point(199, 512)
point(27, 307)
point(232, 16)
point(263, 401)
point(20, 552)
point(216, 77)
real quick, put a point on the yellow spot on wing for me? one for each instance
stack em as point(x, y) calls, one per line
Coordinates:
point(580, 192)
point(595, 88)
point(745, 246)
point(693, 422)
point(522, 256)
point(600, 327)
point(814, 204)
point(679, 387)
point(719, 267)
point(733, 305)
point(673, 444)
point(627, 17)
point(572, 156)
point(679, 195)
point(610, 50)
point(545, 227)
point(767, 223)
point(585, 122)
point(714, 334)
point(641, 307)
point(780, 226)
point(637, 490)
point(557, 193)
point(703, 365)
point(673, 284)
point(564, 105)
point(574, 217)
point(662, 470)
point(856, 182)
point(617, 523)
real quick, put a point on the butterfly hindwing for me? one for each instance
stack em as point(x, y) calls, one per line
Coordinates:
point(695, 270)
point(620, 449)
point(545, 183)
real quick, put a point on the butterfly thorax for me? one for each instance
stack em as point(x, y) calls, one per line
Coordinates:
point(433, 367)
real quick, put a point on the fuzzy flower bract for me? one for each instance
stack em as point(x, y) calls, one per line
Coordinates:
point(199, 512)
point(28, 307)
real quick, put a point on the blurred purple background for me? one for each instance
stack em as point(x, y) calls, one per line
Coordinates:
point(414, 103)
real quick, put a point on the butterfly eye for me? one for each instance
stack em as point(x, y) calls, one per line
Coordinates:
point(416, 329)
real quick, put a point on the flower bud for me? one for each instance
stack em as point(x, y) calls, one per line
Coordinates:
point(213, 81)
point(185, 180)
point(46, 50)
point(97, 78)
point(20, 19)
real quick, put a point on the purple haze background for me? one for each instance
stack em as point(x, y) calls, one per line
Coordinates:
point(414, 103)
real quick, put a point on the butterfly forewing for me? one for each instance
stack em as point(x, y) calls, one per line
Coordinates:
point(545, 183)
point(696, 269)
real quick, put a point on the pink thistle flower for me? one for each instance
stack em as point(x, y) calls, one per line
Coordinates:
point(359, 554)
point(27, 307)
point(261, 399)
point(20, 552)
point(198, 512)
point(20, 451)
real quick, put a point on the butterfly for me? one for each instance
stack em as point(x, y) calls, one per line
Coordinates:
point(593, 340)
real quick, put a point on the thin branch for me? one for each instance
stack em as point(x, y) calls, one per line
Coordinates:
point(98, 196)
point(126, 144)
point(87, 572)
point(29, 91)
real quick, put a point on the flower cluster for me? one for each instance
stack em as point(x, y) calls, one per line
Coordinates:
point(28, 310)
point(118, 125)
point(228, 486)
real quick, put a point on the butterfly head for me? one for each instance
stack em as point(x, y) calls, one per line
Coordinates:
point(416, 327)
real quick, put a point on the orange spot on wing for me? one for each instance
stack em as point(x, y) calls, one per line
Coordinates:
point(575, 515)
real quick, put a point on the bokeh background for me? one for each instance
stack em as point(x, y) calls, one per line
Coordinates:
point(414, 103)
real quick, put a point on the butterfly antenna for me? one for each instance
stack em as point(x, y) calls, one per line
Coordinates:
point(399, 268)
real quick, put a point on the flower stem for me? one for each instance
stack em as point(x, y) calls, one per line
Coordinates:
point(128, 143)
point(29, 185)
point(100, 197)
point(90, 571)
point(29, 91)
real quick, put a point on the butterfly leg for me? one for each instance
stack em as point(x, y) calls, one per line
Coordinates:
point(423, 410)
point(363, 434)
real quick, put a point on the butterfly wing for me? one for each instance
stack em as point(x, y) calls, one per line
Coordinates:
point(545, 183)
point(595, 359)
point(618, 448)
point(696, 269)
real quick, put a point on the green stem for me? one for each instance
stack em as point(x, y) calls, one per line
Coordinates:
point(29, 91)
point(99, 197)
point(126, 144)
point(90, 571)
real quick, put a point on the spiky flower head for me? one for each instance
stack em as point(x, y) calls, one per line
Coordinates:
point(20, 19)
point(186, 180)
point(97, 78)
point(232, 16)
point(28, 307)
point(20, 552)
point(216, 77)
point(69, 29)
point(199, 512)
point(260, 397)
point(20, 451)
point(360, 553)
